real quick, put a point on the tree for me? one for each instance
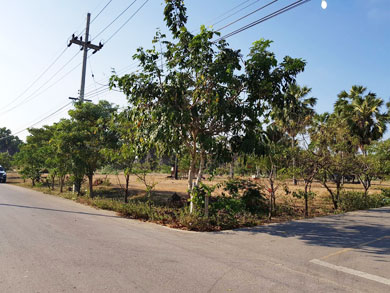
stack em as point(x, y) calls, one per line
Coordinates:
point(196, 95)
point(381, 150)
point(363, 115)
point(294, 115)
point(369, 168)
point(69, 144)
point(8, 142)
point(88, 135)
point(336, 151)
point(273, 162)
point(5, 160)
point(30, 160)
point(308, 168)
point(123, 155)
point(33, 155)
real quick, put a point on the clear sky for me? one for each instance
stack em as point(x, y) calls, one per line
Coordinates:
point(346, 44)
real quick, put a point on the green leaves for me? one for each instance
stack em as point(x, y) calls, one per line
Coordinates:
point(362, 114)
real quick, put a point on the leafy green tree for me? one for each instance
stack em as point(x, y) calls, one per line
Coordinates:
point(8, 142)
point(273, 162)
point(6, 160)
point(130, 146)
point(88, 135)
point(33, 155)
point(196, 94)
point(363, 114)
point(381, 150)
point(336, 152)
point(59, 162)
point(368, 168)
point(294, 115)
point(308, 167)
point(68, 142)
point(31, 161)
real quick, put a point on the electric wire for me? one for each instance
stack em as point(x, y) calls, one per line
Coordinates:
point(100, 12)
point(36, 94)
point(36, 123)
point(245, 16)
point(93, 75)
point(230, 15)
point(130, 18)
point(265, 18)
point(115, 19)
point(37, 79)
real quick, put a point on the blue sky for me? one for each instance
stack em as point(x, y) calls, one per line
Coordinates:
point(346, 44)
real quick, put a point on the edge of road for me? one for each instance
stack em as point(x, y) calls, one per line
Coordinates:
point(118, 216)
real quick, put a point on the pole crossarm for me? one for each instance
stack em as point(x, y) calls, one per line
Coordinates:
point(80, 42)
point(85, 45)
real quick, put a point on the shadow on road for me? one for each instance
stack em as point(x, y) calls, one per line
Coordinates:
point(56, 210)
point(368, 230)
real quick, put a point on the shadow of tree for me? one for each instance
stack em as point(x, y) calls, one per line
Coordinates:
point(56, 210)
point(368, 230)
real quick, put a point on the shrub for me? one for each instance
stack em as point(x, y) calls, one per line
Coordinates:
point(194, 221)
point(254, 201)
point(352, 201)
point(229, 205)
point(385, 192)
point(252, 197)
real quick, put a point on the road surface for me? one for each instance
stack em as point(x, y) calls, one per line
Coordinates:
point(49, 244)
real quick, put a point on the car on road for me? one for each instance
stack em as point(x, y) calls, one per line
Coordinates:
point(3, 175)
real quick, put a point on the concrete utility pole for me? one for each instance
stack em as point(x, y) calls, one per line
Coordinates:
point(85, 45)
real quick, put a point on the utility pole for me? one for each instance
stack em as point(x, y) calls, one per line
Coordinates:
point(85, 46)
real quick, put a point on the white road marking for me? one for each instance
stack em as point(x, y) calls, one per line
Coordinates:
point(352, 272)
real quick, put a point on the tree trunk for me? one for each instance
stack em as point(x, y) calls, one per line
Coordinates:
point(127, 188)
point(61, 182)
point(334, 199)
point(231, 171)
point(306, 202)
point(90, 181)
point(293, 162)
point(201, 166)
point(52, 182)
point(176, 168)
point(206, 206)
point(191, 173)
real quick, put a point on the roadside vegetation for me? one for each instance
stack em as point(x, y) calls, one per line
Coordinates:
point(239, 129)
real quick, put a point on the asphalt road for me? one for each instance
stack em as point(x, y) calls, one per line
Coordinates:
point(49, 244)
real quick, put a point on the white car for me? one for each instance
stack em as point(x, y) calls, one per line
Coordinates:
point(3, 175)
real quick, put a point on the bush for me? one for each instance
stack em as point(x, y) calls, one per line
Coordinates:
point(194, 221)
point(385, 192)
point(352, 201)
point(252, 197)
point(225, 204)
point(254, 201)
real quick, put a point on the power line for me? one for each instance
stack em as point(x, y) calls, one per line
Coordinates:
point(40, 121)
point(38, 78)
point(218, 22)
point(115, 19)
point(83, 30)
point(50, 115)
point(130, 18)
point(265, 18)
point(34, 94)
point(226, 12)
point(245, 16)
point(108, 3)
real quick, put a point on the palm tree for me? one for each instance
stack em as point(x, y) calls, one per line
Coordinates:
point(295, 114)
point(363, 115)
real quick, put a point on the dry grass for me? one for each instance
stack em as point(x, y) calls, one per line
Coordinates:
point(289, 206)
